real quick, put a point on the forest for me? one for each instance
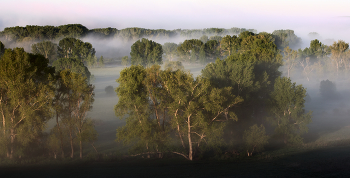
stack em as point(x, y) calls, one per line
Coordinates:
point(71, 93)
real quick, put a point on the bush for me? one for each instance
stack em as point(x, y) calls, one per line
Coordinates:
point(255, 139)
point(327, 89)
point(109, 90)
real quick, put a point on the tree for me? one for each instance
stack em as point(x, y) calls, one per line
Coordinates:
point(158, 103)
point(338, 54)
point(137, 93)
point(146, 52)
point(197, 110)
point(289, 57)
point(174, 65)
point(188, 50)
point(229, 44)
point(255, 139)
point(25, 98)
point(287, 109)
point(109, 90)
point(101, 62)
point(204, 38)
point(74, 48)
point(78, 101)
point(73, 64)
point(125, 61)
point(2, 48)
point(47, 49)
point(170, 50)
point(328, 89)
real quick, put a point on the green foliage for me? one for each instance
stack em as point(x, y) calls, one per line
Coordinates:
point(255, 139)
point(47, 49)
point(287, 108)
point(74, 48)
point(125, 61)
point(188, 51)
point(174, 65)
point(146, 52)
point(2, 48)
point(25, 98)
point(204, 38)
point(170, 50)
point(101, 62)
point(78, 96)
point(75, 65)
point(286, 38)
point(158, 103)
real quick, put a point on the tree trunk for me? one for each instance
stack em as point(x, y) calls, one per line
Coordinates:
point(190, 152)
point(81, 149)
point(71, 144)
point(12, 130)
point(60, 133)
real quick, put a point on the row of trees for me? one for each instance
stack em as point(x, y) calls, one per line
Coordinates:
point(206, 50)
point(171, 111)
point(42, 33)
point(32, 93)
point(318, 59)
point(68, 48)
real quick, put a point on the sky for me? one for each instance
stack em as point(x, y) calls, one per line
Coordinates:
point(303, 16)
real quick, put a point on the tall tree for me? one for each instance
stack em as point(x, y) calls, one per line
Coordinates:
point(289, 57)
point(25, 98)
point(170, 50)
point(338, 50)
point(189, 49)
point(75, 65)
point(197, 110)
point(2, 48)
point(75, 48)
point(287, 108)
point(78, 98)
point(47, 49)
point(146, 52)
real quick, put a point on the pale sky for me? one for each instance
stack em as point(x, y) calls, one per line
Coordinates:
point(303, 16)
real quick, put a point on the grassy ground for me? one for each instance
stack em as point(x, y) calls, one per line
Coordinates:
point(322, 162)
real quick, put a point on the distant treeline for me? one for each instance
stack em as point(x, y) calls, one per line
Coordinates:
point(41, 33)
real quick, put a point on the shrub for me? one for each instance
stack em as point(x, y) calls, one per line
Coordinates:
point(327, 89)
point(109, 90)
point(255, 139)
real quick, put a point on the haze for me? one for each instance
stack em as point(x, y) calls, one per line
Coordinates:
point(328, 18)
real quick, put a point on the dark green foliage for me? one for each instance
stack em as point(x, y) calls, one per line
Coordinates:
point(44, 32)
point(328, 89)
point(25, 99)
point(47, 49)
point(75, 48)
point(146, 52)
point(287, 108)
point(2, 48)
point(170, 50)
point(75, 65)
point(104, 32)
point(188, 51)
point(255, 139)
point(284, 38)
point(174, 65)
